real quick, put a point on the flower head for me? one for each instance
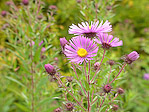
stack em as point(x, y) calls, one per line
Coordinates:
point(3, 13)
point(120, 91)
point(50, 69)
point(133, 56)
point(63, 42)
point(31, 43)
point(41, 43)
point(107, 88)
point(146, 76)
point(25, 2)
point(90, 30)
point(107, 42)
point(58, 110)
point(43, 50)
point(69, 106)
point(115, 107)
point(80, 49)
point(96, 65)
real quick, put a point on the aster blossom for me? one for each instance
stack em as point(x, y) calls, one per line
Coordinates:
point(90, 30)
point(108, 41)
point(80, 49)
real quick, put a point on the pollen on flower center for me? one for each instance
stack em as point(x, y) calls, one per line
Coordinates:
point(82, 52)
point(89, 27)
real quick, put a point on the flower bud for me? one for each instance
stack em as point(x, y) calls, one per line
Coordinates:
point(107, 88)
point(146, 76)
point(120, 91)
point(9, 3)
point(58, 110)
point(39, 17)
point(69, 79)
point(115, 107)
point(96, 65)
point(32, 43)
point(79, 1)
point(133, 56)
point(111, 62)
point(3, 13)
point(43, 50)
point(41, 43)
point(25, 2)
point(52, 7)
point(50, 69)
point(63, 42)
point(80, 93)
point(69, 106)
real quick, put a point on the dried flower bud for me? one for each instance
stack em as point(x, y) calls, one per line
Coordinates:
point(69, 79)
point(107, 88)
point(115, 107)
point(3, 13)
point(50, 69)
point(120, 91)
point(58, 110)
point(133, 56)
point(146, 76)
point(25, 2)
point(111, 62)
point(63, 42)
point(96, 65)
point(69, 106)
point(52, 7)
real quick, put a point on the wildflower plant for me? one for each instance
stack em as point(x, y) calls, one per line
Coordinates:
point(92, 88)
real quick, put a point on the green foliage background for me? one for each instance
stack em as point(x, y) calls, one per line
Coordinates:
point(129, 19)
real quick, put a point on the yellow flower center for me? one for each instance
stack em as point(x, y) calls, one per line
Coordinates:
point(89, 27)
point(82, 52)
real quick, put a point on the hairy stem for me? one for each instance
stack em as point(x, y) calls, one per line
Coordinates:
point(70, 93)
point(99, 66)
point(118, 73)
point(109, 74)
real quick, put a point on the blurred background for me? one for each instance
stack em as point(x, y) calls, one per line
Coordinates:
point(129, 19)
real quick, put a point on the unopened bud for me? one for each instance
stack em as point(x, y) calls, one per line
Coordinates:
point(43, 50)
point(80, 93)
point(107, 88)
point(50, 69)
point(146, 76)
point(115, 107)
point(25, 2)
point(63, 42)
point(133, 56)
point(3, 13)
point(78, 1)
point(39, 17)
point(69, 79)
point(58, 110)
point(69, 106)
point(96, 65)
point(52, 7)
point(111, 62)
point(9, 3)
point(120, 91)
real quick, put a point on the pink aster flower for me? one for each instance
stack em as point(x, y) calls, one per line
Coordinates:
point(108, 41)
point(80, 49)
point(146, 76)
point(90, 30)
